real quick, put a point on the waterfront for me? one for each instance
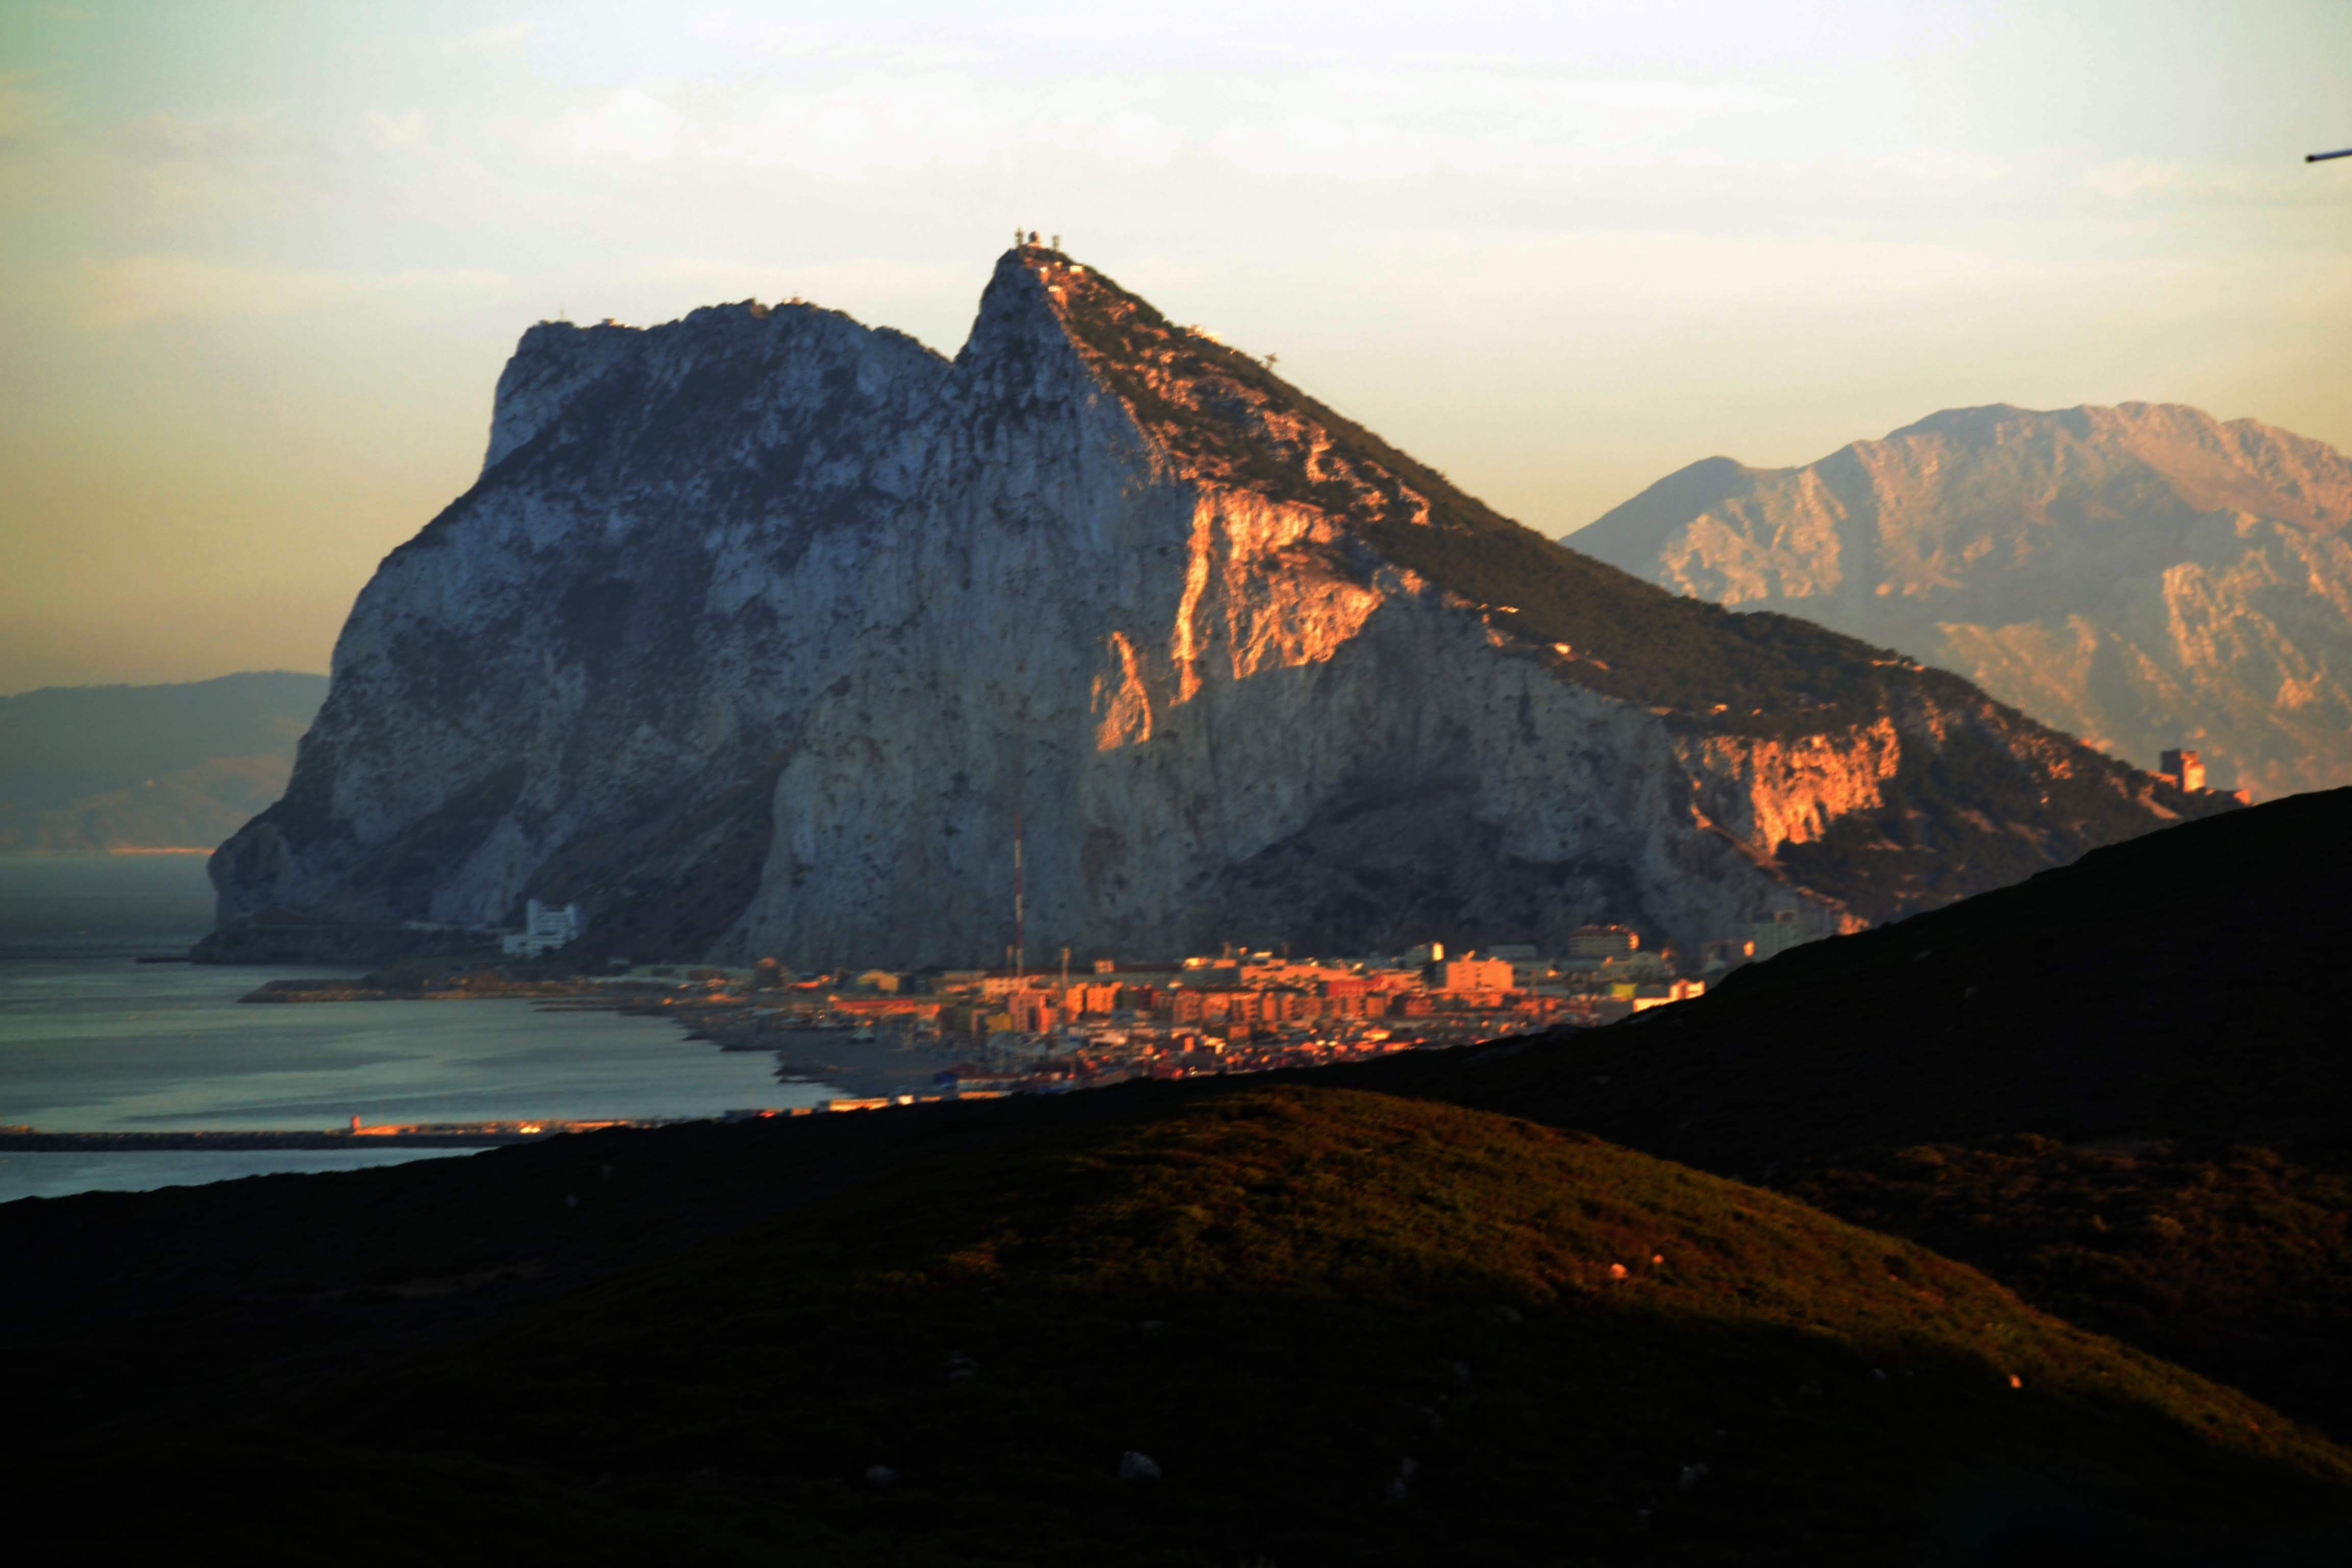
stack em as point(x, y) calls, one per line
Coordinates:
point(62, 1176)
point(90, 1039)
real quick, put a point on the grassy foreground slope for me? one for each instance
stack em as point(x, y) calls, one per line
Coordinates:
point(2121, 1086)
point(1345, 1327)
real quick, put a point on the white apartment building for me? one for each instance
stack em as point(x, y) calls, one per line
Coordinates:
point(545, 927)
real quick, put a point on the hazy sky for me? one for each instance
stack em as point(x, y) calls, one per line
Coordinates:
point(260, 264)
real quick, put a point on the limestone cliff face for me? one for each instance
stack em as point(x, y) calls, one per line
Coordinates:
point(2144, 576)
point(759, 628)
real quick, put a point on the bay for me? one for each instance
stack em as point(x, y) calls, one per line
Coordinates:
point(93, 1040)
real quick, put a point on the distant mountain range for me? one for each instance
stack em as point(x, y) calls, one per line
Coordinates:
point(89, 769)
point(2144, 576)
point(760, 630)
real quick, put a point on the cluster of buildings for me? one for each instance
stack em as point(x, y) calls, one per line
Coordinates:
point(1008, 1030)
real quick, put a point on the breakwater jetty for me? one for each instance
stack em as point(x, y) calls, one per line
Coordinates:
point(425, 1135)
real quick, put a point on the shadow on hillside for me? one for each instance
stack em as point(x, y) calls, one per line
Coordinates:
point(1344, 1327)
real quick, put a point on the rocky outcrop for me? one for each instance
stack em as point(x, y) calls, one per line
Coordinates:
point(2144, 576)
point(761, 629)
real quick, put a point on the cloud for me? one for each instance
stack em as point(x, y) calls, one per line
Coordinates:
point(2147, 179)
point(827, 283)
point(23, 110)
point(394, 132)
point(2132, 177)
point(136, 290)
point(947, 118)
point(258, 131)
point(513, 34)
point(630, 124)
point(1356, 124)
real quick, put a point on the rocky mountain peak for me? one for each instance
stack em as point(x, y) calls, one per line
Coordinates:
point(1212, 413)
point(760, 626)
point(2145, 576)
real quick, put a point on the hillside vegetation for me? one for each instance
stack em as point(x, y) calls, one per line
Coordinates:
point(1343, 1328)
point(2119, 1086)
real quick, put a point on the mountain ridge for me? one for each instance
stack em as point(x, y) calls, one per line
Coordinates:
point(759, 628)
point(2145, 576)
point(91, 769)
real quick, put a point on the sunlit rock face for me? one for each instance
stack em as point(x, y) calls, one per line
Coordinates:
point(2144, 576)
point(759, 629)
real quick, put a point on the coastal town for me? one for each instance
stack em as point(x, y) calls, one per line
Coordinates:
point(891, 1037)
point(880, 1038)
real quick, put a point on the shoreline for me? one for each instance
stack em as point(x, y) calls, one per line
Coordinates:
point(285, 992)
point(831, 1058)
point(39, 1142)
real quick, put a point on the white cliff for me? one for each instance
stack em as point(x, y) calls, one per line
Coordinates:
point(759, 628)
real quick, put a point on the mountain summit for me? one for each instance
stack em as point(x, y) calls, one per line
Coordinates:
point(762, 629)
point(2145, 576)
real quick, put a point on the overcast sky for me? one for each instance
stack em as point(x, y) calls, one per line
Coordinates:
point(262, 263)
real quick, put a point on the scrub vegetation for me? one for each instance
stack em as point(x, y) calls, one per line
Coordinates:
point(2115, 1086)
point(1343, 1327)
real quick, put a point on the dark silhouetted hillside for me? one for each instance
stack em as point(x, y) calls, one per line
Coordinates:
point(1344, 1328)
point(2121, 1086)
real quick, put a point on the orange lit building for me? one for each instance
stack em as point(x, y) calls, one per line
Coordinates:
point(1475, 975)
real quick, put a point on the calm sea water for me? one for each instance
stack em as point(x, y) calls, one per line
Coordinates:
point(90, 1039)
